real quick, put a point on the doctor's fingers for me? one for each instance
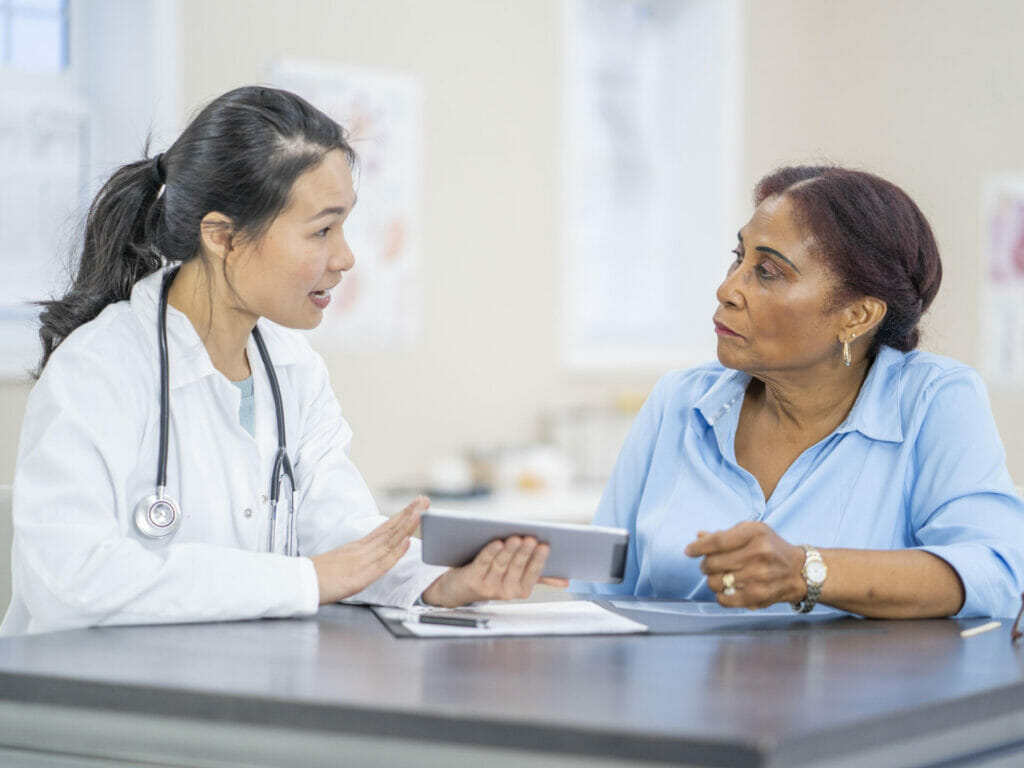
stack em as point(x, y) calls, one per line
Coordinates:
point(348, 569)
point(386, 557)
point(532, 569)
point(481, 564)
point(522, 571)
point(494, 578)
point(399, 527)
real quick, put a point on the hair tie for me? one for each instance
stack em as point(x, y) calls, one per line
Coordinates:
point(156, 171)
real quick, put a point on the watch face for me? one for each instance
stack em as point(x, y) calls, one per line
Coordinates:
point(816, 572)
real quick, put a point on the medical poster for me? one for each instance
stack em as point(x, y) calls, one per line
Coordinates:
point(651, 168)
point(377, 303)
point(1002, 284)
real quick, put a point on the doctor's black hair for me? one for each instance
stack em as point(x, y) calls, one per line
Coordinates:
point(239, 156)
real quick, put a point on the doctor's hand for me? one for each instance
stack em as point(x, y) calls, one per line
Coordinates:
point(501, 571)
point(765, 568)
point(349, 569)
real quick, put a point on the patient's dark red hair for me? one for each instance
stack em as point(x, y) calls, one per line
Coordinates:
point(873, 238)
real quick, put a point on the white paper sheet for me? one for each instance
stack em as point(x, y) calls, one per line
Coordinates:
point(566, 617)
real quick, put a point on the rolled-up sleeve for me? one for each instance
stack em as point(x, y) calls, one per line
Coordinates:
point(962, 502)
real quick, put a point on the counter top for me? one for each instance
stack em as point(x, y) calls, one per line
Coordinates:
point(793, 695)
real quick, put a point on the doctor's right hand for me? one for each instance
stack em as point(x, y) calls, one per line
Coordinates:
point(349, 569)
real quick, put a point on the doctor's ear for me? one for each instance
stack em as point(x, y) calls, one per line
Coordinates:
point(216, 233)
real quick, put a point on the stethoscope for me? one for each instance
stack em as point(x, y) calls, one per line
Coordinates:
point(158, 516)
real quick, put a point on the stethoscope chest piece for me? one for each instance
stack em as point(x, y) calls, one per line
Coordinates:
point(157, 517)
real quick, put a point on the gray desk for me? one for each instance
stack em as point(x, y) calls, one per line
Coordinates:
point(340, 690)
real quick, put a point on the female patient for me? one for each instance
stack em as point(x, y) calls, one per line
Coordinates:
point(131, 509)
point(832, 462)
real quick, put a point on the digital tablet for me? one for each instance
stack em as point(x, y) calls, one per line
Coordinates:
point(585, 552)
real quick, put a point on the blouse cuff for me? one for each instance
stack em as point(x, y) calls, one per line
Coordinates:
point(974, 564)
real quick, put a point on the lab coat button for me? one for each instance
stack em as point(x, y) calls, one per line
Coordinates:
point(248, 512)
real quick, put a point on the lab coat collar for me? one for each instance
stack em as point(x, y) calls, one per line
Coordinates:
point(189, 360)
point(875, 413)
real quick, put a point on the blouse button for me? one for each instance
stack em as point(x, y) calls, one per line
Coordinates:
point(248, 512)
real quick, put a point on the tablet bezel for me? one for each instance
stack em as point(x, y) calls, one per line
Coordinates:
point(583, 552)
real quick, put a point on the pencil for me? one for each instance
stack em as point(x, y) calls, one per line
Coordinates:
point(981, 628)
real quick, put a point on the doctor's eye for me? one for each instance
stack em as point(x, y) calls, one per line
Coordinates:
point(323, 232)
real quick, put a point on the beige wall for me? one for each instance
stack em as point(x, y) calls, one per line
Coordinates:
point(925, 92)
point(917, 90)
point(491, 208)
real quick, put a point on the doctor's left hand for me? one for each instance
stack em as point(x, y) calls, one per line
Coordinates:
point(346, 570)
point(502, 570)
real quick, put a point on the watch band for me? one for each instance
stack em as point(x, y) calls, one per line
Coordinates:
point(812, 563)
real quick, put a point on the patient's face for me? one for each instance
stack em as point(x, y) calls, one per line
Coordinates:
point(774, 312)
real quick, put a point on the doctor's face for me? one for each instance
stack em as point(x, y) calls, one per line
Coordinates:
point(287, 275)
point(775, 310)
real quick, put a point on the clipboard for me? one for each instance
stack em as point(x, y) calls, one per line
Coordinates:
point(510, 619)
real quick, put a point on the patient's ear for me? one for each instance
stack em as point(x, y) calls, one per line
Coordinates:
point(862, 316)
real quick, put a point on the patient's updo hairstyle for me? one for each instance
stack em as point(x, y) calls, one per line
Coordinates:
point(240, 156)
point(873, 238)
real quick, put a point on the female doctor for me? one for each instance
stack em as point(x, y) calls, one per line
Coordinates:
point(175, 410)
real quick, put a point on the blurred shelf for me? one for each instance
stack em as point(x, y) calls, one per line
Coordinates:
point(572, 505)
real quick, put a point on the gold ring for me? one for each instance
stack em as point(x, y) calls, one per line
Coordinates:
point(729, 582)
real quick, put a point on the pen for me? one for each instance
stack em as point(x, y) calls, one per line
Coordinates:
point(981, 628)
point(452, 621)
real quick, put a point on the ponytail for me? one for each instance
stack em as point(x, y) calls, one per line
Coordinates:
point(117, 251)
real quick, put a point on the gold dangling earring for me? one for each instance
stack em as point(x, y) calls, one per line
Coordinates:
point(847, 357)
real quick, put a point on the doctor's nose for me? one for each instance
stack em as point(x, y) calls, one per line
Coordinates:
point(342, 258)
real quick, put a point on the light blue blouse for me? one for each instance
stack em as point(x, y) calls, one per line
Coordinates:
point(917, 463)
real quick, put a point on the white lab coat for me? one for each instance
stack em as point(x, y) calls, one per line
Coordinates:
point(88, 454)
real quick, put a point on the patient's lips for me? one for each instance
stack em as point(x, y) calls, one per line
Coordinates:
point(723, 330)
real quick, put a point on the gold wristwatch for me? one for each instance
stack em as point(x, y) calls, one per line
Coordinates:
point(814, 572)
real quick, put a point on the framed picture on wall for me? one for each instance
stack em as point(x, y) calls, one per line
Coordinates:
point(1001, 340)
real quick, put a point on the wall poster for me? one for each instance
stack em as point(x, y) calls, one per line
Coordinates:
point(377, 304)
point(1002, 283)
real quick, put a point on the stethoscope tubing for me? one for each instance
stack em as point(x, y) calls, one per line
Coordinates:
point(165, 384)
point(144, 515)
point(282, 463)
